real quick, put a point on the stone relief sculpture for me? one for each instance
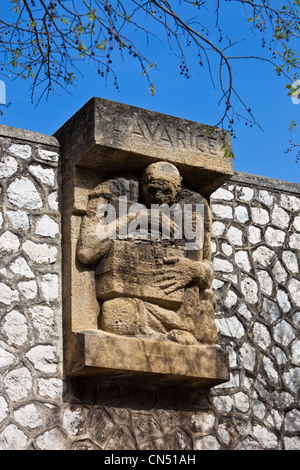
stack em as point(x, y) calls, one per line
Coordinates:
point(148, 240)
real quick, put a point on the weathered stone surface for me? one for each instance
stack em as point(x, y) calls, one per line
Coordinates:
point(23, 193)
point(40, 253)
point(193, 364)
point(113, 131)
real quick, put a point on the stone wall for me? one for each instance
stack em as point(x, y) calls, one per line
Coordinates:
point(30, 307)
point(256, 243)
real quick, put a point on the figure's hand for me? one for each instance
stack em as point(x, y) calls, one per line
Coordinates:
point(175, 274)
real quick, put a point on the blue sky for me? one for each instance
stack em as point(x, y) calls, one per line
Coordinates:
point(259, 152)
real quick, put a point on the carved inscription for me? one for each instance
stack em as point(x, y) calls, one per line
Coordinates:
point(176, 137)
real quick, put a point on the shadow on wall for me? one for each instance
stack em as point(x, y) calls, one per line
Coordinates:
point(93, 391)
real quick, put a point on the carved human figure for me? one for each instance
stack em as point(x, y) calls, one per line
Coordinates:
point(147, 284)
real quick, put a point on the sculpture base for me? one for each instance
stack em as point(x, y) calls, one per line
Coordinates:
point(154, 361)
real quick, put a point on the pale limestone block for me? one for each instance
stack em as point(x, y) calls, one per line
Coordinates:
point(50, 287)
point(47, 227)
point(22, 193)
point(265, 197)
point(296, 223)
point(222, 211)
point(292, 421)
point(291, 203)
point(241, 401)
point(266, 438)
point(222, 265)
point(261, 336)
point(40, 253)
point(12, 438)
point(1, 219)
point(242, 260)
point(294, 290)
point(6, 358)
point(217, 229)
point(294, 241)
point(254, 235)
point(213, 247)
point(222, 194)
point(43, 358)
point(291, 379)
point(16, 328)
point(8, 295)
point(275, 419)
point(270, 370)
point(295, 349)
point(21, 268)
point(223, 403)
point(270, 311)
point(279, 355)
point(3, 409)
point(48, 155)
point(263, 256)
point(50, 388)
point(230, 327)
point(217, 284)
point(249, 290)
point(52, 440)
point(283, 300)
point(43, 320)
point(230, 299)
point(292, 443)
point(20, 151)
point(275, 237)
point(258, 407)
point(241, 214)
point(45, 175)
point(227, 249)
point(73, 420)
point(280, 217)
point(260, 216)
point(207, 443)
point(282, 399)
point(53, 201)
point(235, 236)
point(296, 319)
point(9, 242)
point(283, 333)
point(245, 312)
point(280, 273)
point(265, 282)
point(247, 356)
point(244, 193)
point(203, 422)
point(290, 260)
point(18, 219)
point(28, 289)
point(28, 416)
point(8, 166)
point(18, 384)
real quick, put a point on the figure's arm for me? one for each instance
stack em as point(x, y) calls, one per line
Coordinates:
point(91, 248)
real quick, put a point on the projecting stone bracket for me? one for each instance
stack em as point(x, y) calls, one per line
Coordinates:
point(119, 357)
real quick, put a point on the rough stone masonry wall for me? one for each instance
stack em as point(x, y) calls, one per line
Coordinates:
point(30, 307)
point(256, 243)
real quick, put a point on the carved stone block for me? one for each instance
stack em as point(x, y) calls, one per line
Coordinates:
point(140, 302)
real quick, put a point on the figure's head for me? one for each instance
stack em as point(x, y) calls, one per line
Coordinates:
point(161, 182)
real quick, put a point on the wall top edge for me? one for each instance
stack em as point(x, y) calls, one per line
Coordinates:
point(265, 182)
point(28, 136)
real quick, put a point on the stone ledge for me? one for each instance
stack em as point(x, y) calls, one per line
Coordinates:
point(28, 136)
point(153, 361)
